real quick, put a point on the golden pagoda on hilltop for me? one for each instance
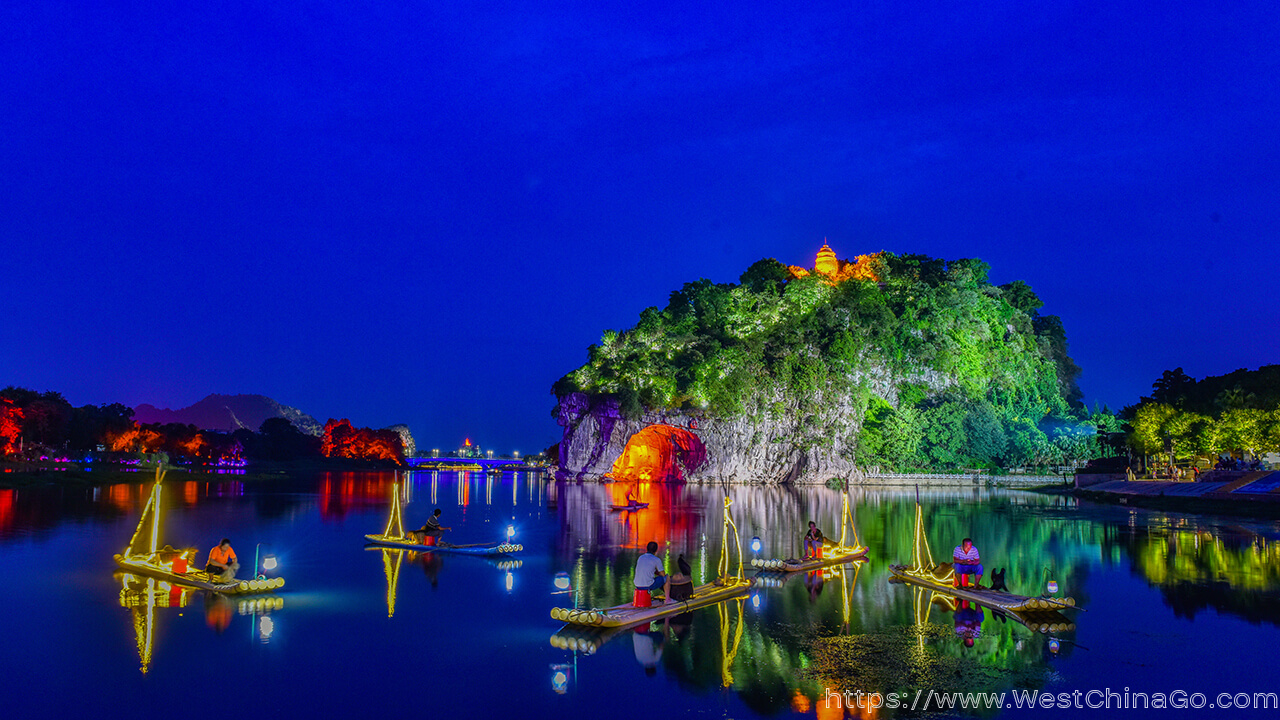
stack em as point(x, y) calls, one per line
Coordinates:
point(835, 270)
point(827, 263)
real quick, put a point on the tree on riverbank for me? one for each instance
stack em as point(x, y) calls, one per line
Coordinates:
point(1230, 414)
point(51, 427)
point(10, 426)
point(342, 440)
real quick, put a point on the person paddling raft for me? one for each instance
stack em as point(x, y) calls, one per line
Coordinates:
point(222, 563)
point(650, 574)
point(430, 529)
point(966, 561)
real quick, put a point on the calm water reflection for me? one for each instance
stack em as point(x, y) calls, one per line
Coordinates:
point(1174, 602)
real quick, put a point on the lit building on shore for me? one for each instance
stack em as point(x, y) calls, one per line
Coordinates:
point(469, 450)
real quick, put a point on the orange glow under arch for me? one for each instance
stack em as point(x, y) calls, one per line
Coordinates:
point(659, 453)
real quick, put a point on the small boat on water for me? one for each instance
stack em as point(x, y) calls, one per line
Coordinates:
point(175, 566)
point(588, 640)
point(488, 549)
point(628, 615)
point(988, 598)
point(924, 573)
point(1039, 620)
point(725, 587)
point(630, 508)
point(833, 554)
point(394, 536)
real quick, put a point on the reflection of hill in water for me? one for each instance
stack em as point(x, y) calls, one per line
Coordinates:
point(1256, 606)
point(800, 639)
point(1233, 569)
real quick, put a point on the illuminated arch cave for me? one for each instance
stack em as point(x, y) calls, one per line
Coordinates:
point(659, 453)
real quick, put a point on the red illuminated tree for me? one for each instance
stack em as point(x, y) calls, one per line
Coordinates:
point(10, 426)
point(341, 439)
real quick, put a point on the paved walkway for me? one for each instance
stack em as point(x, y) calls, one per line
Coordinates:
point(1263, 486)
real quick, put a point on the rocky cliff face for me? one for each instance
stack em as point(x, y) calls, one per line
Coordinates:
point(406, 437)
point(228, 413)
point(767, 447)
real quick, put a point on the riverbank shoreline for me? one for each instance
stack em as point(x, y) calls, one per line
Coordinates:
point(1190, 506)
point(1254, 494)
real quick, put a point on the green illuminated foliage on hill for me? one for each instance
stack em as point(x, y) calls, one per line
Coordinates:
point(946, 369)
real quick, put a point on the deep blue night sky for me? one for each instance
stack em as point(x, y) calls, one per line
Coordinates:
point(425, 214)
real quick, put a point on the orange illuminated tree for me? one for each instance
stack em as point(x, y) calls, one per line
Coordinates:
point(136, 439)
point(835, 271)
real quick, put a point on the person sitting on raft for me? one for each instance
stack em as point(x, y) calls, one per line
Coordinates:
point(222, 564)
point(650, 574)
point(430, 529)
point(966, 561)
point(812, 541)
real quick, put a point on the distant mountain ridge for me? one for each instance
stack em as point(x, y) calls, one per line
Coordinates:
point(228, 413)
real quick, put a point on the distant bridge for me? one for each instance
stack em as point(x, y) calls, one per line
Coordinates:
point(457, 463)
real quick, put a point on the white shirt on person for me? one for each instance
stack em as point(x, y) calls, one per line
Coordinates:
point(647, 568)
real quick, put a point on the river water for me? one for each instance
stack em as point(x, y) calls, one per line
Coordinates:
point(1174, 603)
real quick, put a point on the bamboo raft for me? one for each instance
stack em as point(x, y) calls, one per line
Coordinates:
point(726, 587)
point(404, 543)
point(924, 574)
point(837, 556)
point(833, 554)
point(394, 536)
point(627, 615)
point(1041, 621)
point(583, 638)
point(987, 598)
point(195, 578)
point(158, 563)
point(630, 508)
